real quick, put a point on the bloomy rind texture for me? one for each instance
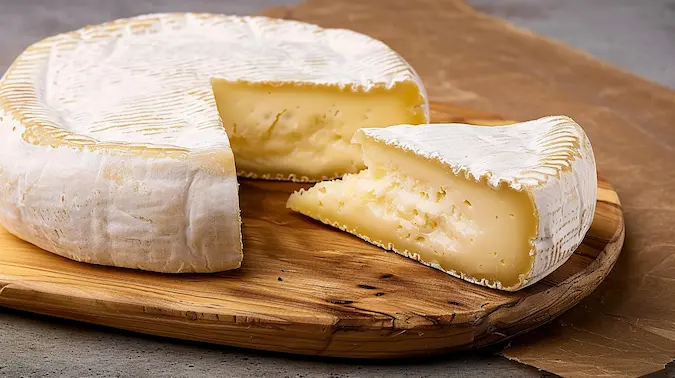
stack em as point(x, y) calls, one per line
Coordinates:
point(160, 214)
point(340, 57)
point(571, 191)
point(551, 158)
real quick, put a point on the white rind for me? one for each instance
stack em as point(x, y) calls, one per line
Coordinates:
point(550, 158)
point(147, 79)
point(153, 214)
point(104, 131)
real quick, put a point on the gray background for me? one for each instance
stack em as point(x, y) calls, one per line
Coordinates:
point(636, 35)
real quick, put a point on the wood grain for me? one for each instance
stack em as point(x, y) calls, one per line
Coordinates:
point(310, 289)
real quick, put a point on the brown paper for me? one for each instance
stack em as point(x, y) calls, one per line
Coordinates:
point(627, 326)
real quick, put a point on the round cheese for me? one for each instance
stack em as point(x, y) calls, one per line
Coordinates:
point(113, 150)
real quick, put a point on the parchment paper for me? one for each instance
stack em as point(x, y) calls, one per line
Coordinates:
point(627, 326)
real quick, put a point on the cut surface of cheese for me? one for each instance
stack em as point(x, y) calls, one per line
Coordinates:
point(275, 130)
point(113, 150)
point(499, 206)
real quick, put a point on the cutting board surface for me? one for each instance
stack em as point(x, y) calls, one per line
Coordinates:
point(308, 288)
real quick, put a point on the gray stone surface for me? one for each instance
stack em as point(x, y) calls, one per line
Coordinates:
point(37, 346)
point(636, 35)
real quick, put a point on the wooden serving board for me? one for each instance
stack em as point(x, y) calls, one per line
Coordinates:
point(308, 288)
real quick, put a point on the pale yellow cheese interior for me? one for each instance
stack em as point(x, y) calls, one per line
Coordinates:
point(281, 130)
point(407, 203)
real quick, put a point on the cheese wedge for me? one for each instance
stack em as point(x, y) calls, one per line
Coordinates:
point(498, 206)
point(113, 138)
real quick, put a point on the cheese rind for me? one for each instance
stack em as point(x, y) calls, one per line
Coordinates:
point(497, 206)
point(161, 213)
point(113, 152)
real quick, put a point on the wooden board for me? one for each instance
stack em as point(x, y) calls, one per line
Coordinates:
point(308, 288)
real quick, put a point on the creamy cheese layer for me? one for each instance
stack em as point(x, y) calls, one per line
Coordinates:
point(276, 129)
point(414, 207)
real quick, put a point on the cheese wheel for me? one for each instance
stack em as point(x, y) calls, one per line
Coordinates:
point(114, 144)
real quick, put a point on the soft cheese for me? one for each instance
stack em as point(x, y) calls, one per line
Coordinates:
point(277, 129)
point(499, 206)
point(113, 150)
